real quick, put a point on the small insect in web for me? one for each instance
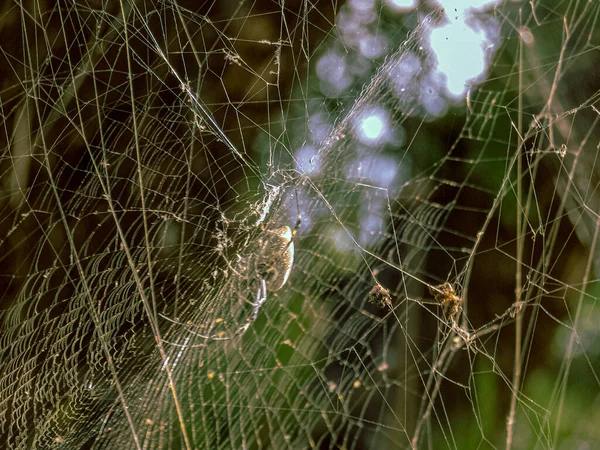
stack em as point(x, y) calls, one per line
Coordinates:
point(268, 271)
point(445, 295)
point(380, 296)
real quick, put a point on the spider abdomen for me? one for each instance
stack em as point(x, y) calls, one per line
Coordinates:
point(275, 258)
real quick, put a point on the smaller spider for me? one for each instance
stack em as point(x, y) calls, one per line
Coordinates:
point(380, 296)
point(451, 303)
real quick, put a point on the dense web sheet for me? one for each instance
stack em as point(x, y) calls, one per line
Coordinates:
point(299, 224)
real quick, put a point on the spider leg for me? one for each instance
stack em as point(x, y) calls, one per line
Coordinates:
point(195, 333)
point(261, 297)
point(297, 225)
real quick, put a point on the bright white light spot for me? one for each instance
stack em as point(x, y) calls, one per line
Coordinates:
point(462, 44)
point(373, 126)
point(401, 5)
point(460, 55)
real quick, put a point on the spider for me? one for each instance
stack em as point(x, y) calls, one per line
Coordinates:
point(271, 268)
point(451, 303)
point(380, 296)
point(275, 260)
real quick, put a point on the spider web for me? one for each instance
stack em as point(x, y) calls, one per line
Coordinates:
point(150, 150)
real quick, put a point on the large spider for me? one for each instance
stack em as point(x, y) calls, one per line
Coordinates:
point(274, 261)
point(270, 267)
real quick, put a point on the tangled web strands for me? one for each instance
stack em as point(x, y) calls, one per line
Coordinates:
point(155, 293)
